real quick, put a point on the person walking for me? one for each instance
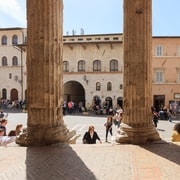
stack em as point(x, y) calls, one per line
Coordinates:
point(155, 118)
point(108, 126)
point(1, 115)
point(3, 125)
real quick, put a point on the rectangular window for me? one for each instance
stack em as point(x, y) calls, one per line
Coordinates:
point(178, 50)
point(115, 38)
point(159, 50)
point(81, 65)
point(66, 66)
point(159, 76)
point(10, 76)
point(178, 76)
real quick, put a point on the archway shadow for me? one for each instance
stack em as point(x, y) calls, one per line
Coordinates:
point(55, 162)
point(168, 150)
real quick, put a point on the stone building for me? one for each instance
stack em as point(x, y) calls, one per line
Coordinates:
point(166, 72)
point(93, 68)
point(12, 63)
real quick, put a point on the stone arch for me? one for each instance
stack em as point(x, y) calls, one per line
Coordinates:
point(14, 94)
point(74, 91)
point(120, 102)
point(96, 102)
point(108, 100)
point(4, 93)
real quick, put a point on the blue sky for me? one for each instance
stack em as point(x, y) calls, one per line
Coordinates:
point(97, 16)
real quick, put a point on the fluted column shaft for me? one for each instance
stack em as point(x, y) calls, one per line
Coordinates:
point(137, 62)
point(44, 72)
point(137, 124)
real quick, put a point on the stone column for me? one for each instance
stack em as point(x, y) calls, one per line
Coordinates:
point(137, 126)
point(44, 74)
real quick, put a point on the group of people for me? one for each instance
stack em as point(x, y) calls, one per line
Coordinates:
point(6, 138)
point(163, 113)
point(91, 135)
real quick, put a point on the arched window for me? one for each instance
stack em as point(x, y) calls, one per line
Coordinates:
point(4, 94)
point(4, 40)
point(66, 66)
point(113, 65)
point(81, 65)
point(98, 86)
point(15, 61)
point(109, 86)
point(4, 61)
point(14, 40)
point(97, 65)
point(10, 75)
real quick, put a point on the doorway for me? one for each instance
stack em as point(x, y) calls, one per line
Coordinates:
point(74, 91)
point(158, 102)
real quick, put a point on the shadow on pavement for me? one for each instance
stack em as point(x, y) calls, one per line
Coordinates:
point(170, 151)
point(55, 162)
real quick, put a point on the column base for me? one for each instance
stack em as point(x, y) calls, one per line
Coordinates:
point(41, 136)
point(136, 135)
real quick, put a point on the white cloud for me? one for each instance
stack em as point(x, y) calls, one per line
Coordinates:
point(14, 9)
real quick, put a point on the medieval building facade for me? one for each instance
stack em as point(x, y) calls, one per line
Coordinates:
point(93, 68)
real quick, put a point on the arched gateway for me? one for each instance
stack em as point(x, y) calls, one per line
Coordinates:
point(44, 74)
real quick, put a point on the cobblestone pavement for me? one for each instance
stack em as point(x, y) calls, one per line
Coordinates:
point(106, 161)
point(158, 161)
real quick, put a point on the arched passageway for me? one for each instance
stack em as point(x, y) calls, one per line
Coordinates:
point(74, 91)
point(120, 102)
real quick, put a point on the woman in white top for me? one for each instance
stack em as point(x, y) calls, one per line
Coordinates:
point(4, 140)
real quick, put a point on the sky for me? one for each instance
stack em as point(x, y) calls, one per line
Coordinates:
point(97, 16)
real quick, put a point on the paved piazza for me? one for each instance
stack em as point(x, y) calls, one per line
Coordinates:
point(81, 124)
point(106, 161)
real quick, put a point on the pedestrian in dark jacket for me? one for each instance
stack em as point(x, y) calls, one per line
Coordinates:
point(155, 118)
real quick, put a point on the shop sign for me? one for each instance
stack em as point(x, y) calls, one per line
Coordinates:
point(176, 95)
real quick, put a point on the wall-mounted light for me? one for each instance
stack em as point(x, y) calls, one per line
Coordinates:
point(17, 79)
point(85, 78)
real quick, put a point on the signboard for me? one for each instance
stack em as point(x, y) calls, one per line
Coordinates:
point(176, 95)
